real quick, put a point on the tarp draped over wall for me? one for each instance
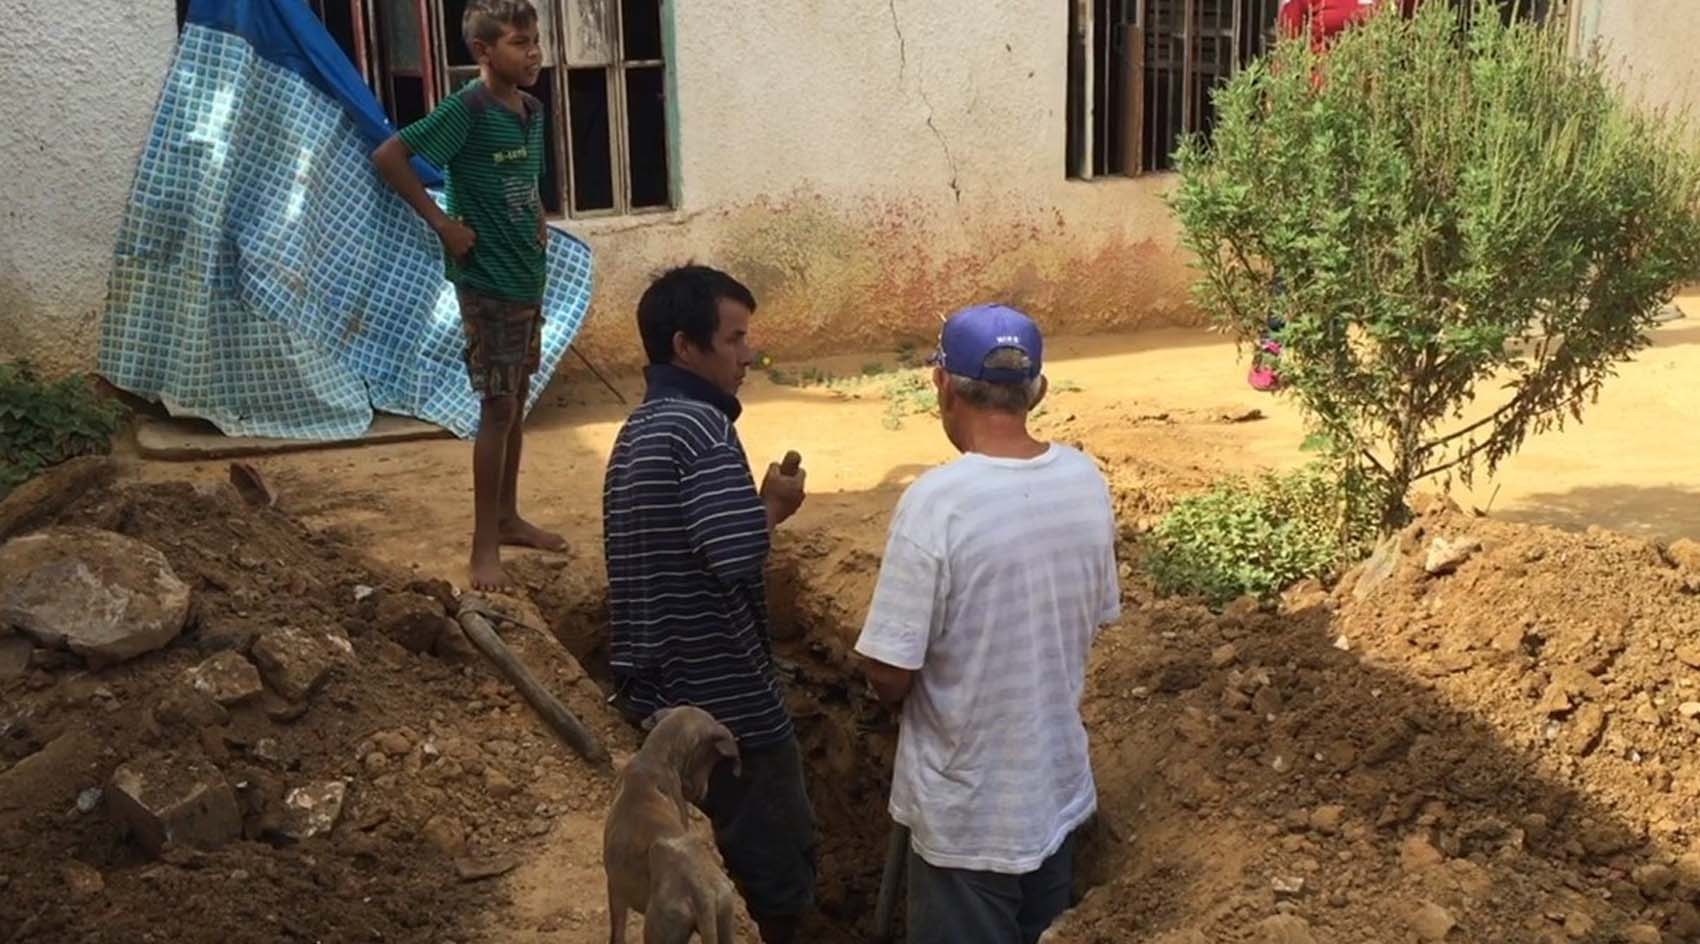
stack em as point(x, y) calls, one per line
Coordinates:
point(265, 278)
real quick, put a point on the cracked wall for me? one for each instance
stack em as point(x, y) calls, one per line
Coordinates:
point(869, 166)
point(866, 167)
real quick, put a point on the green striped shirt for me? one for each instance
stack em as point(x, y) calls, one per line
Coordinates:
point(492, 158)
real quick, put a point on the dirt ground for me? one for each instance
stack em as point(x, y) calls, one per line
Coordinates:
point(1503, 753)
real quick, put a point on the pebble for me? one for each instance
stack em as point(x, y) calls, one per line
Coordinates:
point(1224, 655)
point(89, 799)
point(1432, 922)
point(498, 783)
point(1416, 853)
point(1689, 709)
point(82, 881)
point(1326, 819)
point(1285, 929)
point(1655, 881)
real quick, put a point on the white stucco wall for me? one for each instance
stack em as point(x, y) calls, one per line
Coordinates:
point(864, 166)
point(1651, 46)
point(81, 82)
point(868, 166)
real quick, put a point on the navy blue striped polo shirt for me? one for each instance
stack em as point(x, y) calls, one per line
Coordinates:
point(686, 538)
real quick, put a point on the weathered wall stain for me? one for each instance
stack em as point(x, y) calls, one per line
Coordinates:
point(833, 275)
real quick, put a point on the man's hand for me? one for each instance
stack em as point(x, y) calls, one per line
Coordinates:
point(782, 493)
point(457, 238)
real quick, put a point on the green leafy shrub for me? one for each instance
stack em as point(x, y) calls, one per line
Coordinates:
point(1258, 536)
point(43, 423)
point(1438, 214)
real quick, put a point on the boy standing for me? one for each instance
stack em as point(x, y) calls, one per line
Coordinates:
point(488, 139)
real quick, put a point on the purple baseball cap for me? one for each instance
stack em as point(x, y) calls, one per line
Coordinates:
point(972, 334)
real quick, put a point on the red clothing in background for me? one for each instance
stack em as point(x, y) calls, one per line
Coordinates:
point(1328, 17)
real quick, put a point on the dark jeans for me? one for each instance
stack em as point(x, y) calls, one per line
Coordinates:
point(765, 828)
point(952, 906)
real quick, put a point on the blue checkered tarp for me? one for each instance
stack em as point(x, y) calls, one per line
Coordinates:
point(267, 280)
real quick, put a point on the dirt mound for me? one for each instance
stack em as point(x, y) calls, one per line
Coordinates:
point(372, 809)
point(1486, 735)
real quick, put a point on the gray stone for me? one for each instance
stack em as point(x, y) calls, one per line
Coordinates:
point(227, 678)
point(1446, 555)
point(166, 800)
point(295, 662)
point(313, 810)
point(14, 655)
point(1380, 568)
point(102, 595)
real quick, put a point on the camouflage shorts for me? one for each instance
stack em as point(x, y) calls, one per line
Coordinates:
point(504, 343)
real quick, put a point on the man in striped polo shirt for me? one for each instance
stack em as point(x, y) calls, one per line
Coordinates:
point(686, 536)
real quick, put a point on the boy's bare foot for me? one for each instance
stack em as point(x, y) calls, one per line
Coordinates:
point(519, 532)
point(487, 571)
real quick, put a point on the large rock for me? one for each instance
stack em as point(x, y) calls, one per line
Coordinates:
point(227, 678)
point(295, 662)
point(102, 595)
point(165, 800)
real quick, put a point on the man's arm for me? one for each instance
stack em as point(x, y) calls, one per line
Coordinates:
point(889, 682)
point(437, 137)
point(782, 494)
point(392, 161)
point(899, 629)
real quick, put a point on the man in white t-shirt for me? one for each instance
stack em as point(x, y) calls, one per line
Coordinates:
point(999, 570)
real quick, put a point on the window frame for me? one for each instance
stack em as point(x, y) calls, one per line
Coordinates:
point(576, 34)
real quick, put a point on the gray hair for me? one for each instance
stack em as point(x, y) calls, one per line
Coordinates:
point(1000, 397)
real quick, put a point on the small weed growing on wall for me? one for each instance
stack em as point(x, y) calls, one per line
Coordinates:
point(43, 424)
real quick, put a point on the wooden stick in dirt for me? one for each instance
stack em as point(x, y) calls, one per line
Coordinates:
point(479, 630)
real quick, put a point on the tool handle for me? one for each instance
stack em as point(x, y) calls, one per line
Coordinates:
point(792, 462)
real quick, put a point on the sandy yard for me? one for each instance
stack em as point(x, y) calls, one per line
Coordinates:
point(1500, 754)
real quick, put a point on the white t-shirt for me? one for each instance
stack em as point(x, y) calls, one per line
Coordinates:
point(997, 575)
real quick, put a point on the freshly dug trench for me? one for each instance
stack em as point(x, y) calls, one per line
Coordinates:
point(848, 740)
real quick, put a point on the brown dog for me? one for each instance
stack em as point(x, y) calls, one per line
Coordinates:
point(654, 865)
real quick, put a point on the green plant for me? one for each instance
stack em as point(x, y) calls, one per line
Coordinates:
point(1258, 536)
point(909, 393)
point(43, 423)
point(1434, 214)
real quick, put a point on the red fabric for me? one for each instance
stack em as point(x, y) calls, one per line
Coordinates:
point(1329, 17)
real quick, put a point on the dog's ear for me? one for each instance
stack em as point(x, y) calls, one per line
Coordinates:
point(726, 746)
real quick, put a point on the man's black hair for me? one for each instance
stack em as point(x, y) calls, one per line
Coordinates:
point(686, 299)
